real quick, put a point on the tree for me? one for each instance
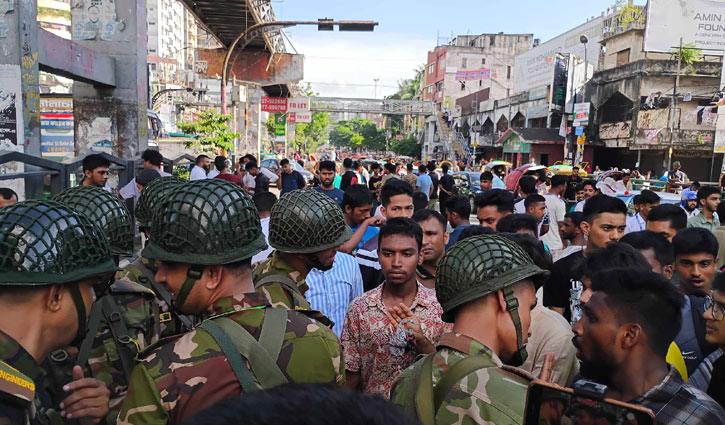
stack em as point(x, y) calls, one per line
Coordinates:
point(212, 131)
point(407, 146)
point(341, 135)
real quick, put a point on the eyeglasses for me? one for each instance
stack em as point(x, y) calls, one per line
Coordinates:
point(717, 309)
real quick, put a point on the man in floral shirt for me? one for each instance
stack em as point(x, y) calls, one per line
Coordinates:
point(387, 327)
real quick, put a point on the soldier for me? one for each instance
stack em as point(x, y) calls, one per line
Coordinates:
point(109, 350)
point(482, 279)
point(142, 270)
point(204, 236)
point(306, 228)
point(52, 260)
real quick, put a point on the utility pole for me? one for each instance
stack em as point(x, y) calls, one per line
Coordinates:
point(375, 95)
point(572, 141)
point(673, 110)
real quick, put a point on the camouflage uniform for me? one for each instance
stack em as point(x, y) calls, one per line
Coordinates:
point(475, 386)
point(301, 222)
point(169, 385)
point(214, 222)
point(33, 254)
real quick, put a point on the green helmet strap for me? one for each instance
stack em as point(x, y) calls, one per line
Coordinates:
point(75, 293)
point(512, 305)
point(192, 276)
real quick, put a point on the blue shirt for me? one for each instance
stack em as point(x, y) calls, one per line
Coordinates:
point(292, 181)
point(455, 234)
point(424, 184)
point(333, 193)
point(498, 183)
point(331, 292)
point(370, 233)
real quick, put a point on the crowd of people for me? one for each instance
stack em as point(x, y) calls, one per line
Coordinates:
point(370, 276)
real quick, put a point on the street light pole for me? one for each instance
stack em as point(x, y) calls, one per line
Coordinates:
point(255, 30)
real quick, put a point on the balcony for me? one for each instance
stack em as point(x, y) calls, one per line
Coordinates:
point(633, 18)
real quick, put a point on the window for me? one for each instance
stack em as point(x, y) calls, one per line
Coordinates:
point(483, 61)
point(464, 62)
point(431, 69)
point(430, 89)
point(508, 72)
point(623, 57)
point(480, 83)
point(492, 41)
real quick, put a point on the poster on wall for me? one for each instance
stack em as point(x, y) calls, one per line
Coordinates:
point(93, 19)
point(56, 128)
point(11, 118)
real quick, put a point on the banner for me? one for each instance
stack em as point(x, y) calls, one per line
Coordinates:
point(274, 104)
point(298, 104)
point(475, 75)
point(302, 117)
point(581, 113)
point(280, 125)
point(701, 22)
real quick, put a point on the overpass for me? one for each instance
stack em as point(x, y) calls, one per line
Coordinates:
point(371, 106)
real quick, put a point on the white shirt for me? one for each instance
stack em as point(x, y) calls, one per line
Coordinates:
point(197, 173)
point(264, 254)
point(556, 209)
point(519, 207)
point(691, 214)
point(570, 250)
point(635, 224)
point(580, 206)
point(131, 190)
point(212, 174)
point(249, 181)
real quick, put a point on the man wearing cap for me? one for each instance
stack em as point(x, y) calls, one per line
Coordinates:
point(306, 228)
point(204, 236)
point(47, 286)
point(689, 203)
point(482, 279)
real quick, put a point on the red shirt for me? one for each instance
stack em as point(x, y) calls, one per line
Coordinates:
point(230, 178)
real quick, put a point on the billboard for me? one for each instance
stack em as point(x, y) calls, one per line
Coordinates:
point(56, 127)
point(701, 22)
point(534, 68)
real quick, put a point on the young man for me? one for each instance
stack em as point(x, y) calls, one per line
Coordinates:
point(390, 173)
point(433, 174)
point(486, 181)
point(357, 204)
point(710, 374)
point(410, 176)
point(220, 163)
point(215, 171)
point(604, 222)
point(518, 223)
point(379, 323)
point(361, 173)
point(348, 176)
point(152, 159)
point(644, 203)
point(261, 182)
point(689, 204)
point(573, 182)
point(423, 183)
point(535, 206)
point(435, 239)
point(95, 171)
point(589, 189)
point(458, 213)
point(327, 180)
point(526, 186)
point(376, 180)
point(623, 338)
point(667, 220)
point(709, 198)
point(7, 197)
point(492, 205)
point(201, 168)
point(397, 201)
point(483, 279)
point(695, 260)
point(288, 178)
point(556, 210)
point(264, 201)
point(655, 248)
point(447, 183)
point(571, 232)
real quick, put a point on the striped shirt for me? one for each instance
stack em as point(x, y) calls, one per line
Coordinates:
point(331, 292)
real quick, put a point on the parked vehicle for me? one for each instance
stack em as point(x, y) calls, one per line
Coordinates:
point(467, 183)
point(272, 165)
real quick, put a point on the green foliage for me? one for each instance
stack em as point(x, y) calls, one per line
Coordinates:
point(269, 125)
point(358, 133)
point(212, 131)
point(310, 135)
point(626, 12)
point(407, 147)
point(182, 172)
point(690, 54)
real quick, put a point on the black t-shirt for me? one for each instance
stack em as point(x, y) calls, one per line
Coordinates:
point(447, 182)
point(347, 179)
point(564, 279)
point(261, 183)
point(375, 182)
point(434, 177)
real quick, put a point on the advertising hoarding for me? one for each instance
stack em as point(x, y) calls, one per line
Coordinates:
point(700, 22)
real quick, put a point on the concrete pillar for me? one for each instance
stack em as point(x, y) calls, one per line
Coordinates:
point(113, 119)
point(19, 91)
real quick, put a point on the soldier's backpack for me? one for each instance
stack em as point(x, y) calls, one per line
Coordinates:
point(235, 342)
point(426, 398)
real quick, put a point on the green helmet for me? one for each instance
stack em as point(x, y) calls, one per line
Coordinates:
point(151, 197)
point(481, 265)
point(305, 222)
point(106, 210)
point(46, 243)
point(205, 222)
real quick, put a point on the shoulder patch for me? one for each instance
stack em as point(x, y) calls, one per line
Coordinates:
point(15, 385)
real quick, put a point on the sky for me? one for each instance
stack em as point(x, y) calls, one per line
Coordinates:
point(347, 64)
